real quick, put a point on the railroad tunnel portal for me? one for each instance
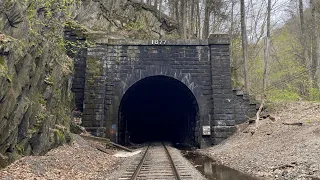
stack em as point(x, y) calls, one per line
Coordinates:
point(158, 108)
point(143, 89)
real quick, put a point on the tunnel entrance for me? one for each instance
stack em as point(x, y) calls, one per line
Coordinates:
point(158, 108)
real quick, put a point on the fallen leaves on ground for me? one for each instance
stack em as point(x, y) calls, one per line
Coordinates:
point(76, 161)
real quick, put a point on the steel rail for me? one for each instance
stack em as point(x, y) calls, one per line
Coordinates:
point(175, 171)
point(137, 171)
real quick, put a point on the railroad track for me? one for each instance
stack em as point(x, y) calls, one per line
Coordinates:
point(156, 163)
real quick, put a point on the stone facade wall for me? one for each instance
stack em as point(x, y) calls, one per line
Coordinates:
point(79, 55)
point(244, 108)
point(223, 123)
point(113, 66)
point(123, 65)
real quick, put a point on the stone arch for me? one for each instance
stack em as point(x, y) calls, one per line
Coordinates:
point(139, 74)
point(189, 130)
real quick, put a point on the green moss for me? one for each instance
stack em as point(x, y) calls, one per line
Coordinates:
point(94, 67)
point(32, 131)
point(59, 136)
point(42, 101)
point(9, 77)
point(20, 149)
point(3, 67)
point(134, 26)
point(49, 80)
point(58, 92)
point(40, 118)
point(77, 28)
point(2, 61)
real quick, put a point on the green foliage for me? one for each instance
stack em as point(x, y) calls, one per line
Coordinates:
point(42, 101)
point(282, 95)
point(236, 61)
point(58, 92)
point(3, 66)
point(134, 26)
point(60, 135)
point(40, 118)
point(314, 94)
point(51, 10)
point(75, 47)
point(47, 19)
point(2, 61)
point(93, 66)
point(20, 149)
point(287, 77)
point(49, 80)
point(32, 131)
point(77, 27)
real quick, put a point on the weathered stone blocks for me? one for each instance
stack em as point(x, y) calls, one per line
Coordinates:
point(112, 67)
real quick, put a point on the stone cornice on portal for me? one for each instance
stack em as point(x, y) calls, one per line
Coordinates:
point(110, 39)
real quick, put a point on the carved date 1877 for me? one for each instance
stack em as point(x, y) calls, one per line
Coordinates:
point(158, 42)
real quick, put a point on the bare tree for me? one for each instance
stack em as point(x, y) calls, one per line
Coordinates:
point(191, 18)
point(183, 18)
point(304, 41)
point(266, 61)
point(198, 19)
point(316, 5)
point(244, 46)
point(267, 53)
point(314, 43)
point(155, 3)
point(205, 30)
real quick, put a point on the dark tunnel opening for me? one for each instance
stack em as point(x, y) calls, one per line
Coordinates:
point(158, 108)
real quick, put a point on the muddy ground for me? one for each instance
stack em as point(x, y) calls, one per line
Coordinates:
point(276, 150)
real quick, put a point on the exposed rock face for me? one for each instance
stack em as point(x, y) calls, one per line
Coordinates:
point(36, 73)
point(125, 18)
point(34, 85)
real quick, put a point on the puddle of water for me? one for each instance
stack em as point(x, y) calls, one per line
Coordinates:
point(213, 171)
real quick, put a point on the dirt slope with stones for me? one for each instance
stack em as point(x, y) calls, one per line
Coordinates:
point(77, 161)
point(278, 149)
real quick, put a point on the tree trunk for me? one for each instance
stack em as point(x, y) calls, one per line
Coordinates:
point(171, 9)
point(244, 47)
point(192, 19)
point(315, 39)
point(176, 9)
point(317, 17)
point(231, 19)
point(183, 18)
point(304, 42)
point(205, 30)
point(267, 53)
point(156, 3)
point(198, 20)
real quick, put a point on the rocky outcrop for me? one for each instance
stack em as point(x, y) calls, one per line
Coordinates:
point(125, 18)
point(35, 73)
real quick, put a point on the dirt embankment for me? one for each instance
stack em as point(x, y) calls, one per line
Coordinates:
point(277, 150)
point(77, 161)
